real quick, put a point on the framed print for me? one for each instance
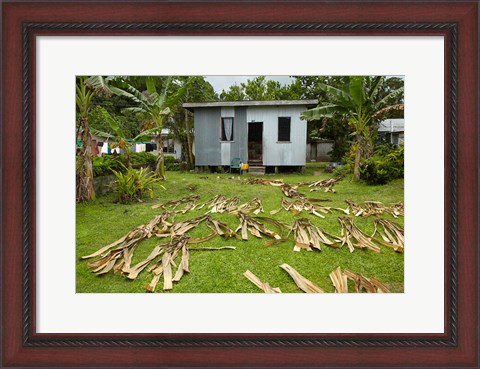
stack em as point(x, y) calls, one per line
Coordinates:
point(55, 314)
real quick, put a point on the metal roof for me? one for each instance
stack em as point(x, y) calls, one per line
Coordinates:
point(215, 104)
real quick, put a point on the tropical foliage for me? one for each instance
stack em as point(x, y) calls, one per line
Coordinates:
point(153, 105)
point(385, 165)
point(86, 89)
point(134, 184)
point(361, 104)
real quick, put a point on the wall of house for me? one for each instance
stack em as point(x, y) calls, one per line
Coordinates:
point(210, 150)
point(207, 136)
point(281, 153)
point(238, 148)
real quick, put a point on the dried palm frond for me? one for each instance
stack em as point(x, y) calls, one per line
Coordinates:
point(262, 285)
point(190, 204)
point(354, 237)
point(375, 208)
point(270, 182)
point(391, 234)
point(339, 281)
point(290, 191)
point(397, 209)
point(183, 227)
point(254, 205)
point(135, 235)
point(220, 204)
point(371, 285)
point(119, 259)
point(254, 226)
point(301, 204)
point(303, 283)
point(307, 235)
point(220, 228)
point(326, 184)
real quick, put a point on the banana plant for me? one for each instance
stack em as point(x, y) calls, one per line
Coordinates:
point(361, 103)
point(119, 136)
point(154, 106)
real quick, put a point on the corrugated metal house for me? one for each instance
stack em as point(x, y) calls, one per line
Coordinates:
point(261, 133)
point(393, 130)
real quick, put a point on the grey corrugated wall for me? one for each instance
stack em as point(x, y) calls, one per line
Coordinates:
point(207, 136)
point(240, 134)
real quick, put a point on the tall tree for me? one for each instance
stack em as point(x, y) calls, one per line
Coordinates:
point(154, 105)
point(258, 89)
point(362, 104)
point(187, 89)
point(234, 93)
point(86, 89)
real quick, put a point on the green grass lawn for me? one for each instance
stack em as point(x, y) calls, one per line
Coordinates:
point(103, 221)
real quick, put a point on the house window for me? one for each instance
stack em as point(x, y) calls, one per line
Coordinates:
point(283, 129)
point(227, 129)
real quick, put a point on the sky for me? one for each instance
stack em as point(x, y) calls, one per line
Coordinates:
point(220, 83)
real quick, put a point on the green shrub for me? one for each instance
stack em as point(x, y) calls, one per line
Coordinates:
point(134, 184)
point(146, 158)
point(171, 163)
point(386, 164)
point(103, 165)
point(341, 171)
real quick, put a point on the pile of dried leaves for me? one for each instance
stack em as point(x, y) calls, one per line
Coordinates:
point(256, 226)
point(339, 281)
point(291, 190)
point(270, 182)
point(325, 184)
point(391, 234)
point(312, 206)
point(118, 255)
point(190, 203)
point(375, 208)
point(308, 235)
point(354, 237)
point(262, 285)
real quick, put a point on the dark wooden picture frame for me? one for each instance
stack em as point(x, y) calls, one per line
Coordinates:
point(23, 21)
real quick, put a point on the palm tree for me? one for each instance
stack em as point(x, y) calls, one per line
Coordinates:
point(362, 104)
point(153, 105)
point(86, 89)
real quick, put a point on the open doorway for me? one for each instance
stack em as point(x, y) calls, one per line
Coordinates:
point(255, 142)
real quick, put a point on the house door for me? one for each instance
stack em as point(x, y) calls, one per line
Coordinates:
point(255, 142)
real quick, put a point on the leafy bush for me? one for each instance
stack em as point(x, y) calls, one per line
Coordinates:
point(386, 164)
point(134, 184)
point(341, 171)
point(103, 165)
point(171, 163)
point(144, 157)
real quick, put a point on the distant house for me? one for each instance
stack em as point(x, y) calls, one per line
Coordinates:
point(264, 134)
point(392, 130)
point(171, 146)
point(319, 149)
point(105, 143)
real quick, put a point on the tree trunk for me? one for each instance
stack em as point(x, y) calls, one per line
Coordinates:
point(160, 164)
point(191, 163)
point(85, 189)
point(358, 156)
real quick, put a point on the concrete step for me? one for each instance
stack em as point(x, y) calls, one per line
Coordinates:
point(256, 169)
